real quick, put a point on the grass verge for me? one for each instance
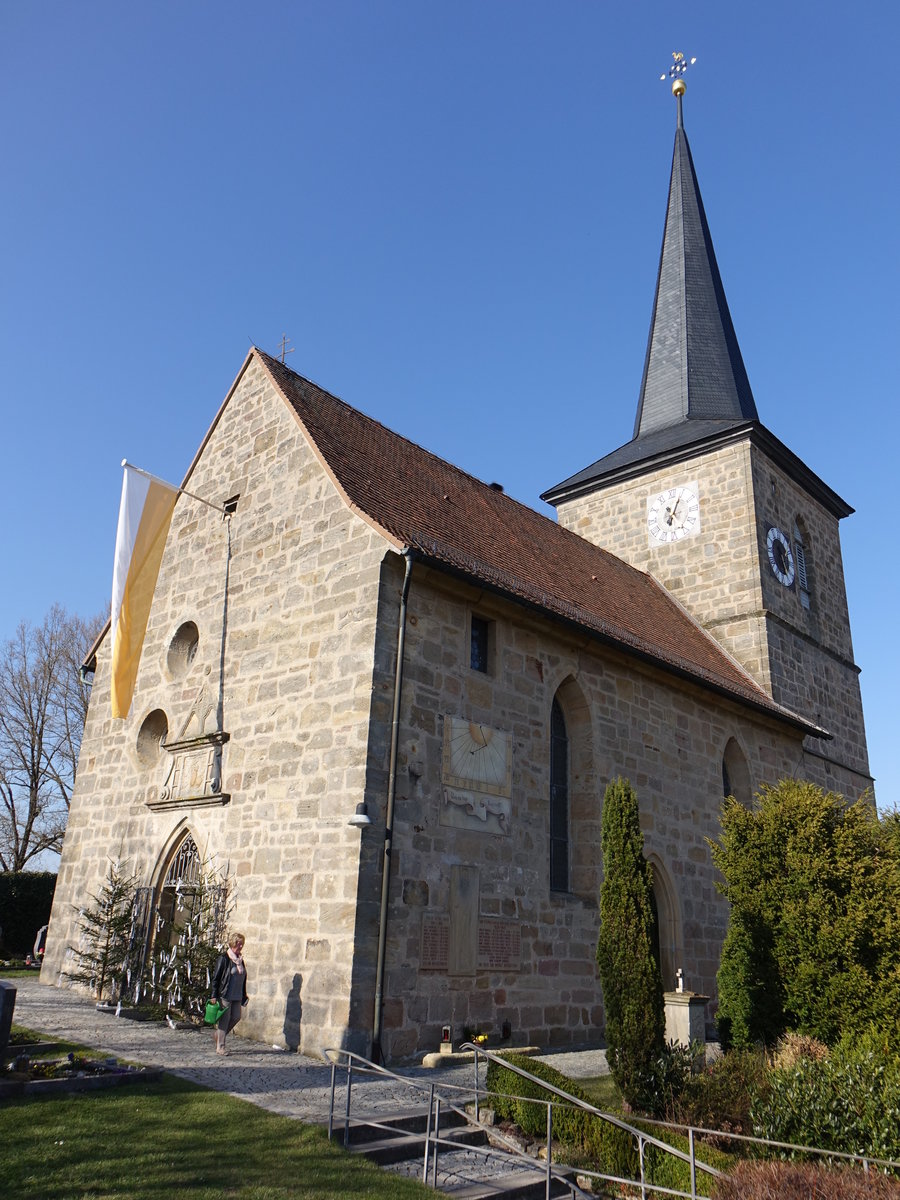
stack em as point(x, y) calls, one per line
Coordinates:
point(174, 1139)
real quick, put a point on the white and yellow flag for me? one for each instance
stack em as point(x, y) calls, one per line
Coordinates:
point(144, 518)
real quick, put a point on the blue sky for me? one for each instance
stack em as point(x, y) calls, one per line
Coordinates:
point(455, 212)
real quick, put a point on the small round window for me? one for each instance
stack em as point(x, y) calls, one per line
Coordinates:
point(152, 736)
point(182, 649)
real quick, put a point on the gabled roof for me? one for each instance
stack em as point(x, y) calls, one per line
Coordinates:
point(459, 524)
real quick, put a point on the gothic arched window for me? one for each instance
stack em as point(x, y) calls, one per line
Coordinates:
point(559, 800)
point(667, 939)
point(736, 773)
point(178, 894)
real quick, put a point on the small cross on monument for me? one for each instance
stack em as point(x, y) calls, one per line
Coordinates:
point(283, 350)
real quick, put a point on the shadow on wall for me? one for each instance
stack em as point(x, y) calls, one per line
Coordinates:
point(293, 1014)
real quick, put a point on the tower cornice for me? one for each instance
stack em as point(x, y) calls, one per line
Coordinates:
point(681, 444)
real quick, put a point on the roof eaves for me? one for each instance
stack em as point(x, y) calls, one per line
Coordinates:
point(450, 560)
point(684, 450)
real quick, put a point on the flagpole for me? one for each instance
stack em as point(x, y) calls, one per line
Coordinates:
point(165, 483)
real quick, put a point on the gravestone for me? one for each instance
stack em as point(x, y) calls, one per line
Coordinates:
point(7, 1007)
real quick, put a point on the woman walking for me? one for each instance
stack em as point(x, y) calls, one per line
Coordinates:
point(229, 988)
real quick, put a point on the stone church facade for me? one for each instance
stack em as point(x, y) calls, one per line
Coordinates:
point(370, 633)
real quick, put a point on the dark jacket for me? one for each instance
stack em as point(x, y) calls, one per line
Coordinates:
point(220, 978)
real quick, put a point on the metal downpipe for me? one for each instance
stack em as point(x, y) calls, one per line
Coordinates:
point(378, 1015)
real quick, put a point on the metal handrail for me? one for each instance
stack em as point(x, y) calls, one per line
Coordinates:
point(363, 1066)
point(866, 1160)
point(643, 1139)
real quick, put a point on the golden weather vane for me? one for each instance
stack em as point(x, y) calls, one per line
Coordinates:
point(677, 71)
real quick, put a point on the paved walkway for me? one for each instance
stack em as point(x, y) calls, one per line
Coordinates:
point(293, 1085)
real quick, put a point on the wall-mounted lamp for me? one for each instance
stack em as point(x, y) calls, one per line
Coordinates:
point(360, 818)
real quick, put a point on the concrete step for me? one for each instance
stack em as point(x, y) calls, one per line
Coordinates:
point(517, 1185)
point(401, 1147)
point(467, 1175)
point(410, 1121)
point(396, 1141)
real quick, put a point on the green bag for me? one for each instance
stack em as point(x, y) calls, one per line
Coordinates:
point(214, 1010)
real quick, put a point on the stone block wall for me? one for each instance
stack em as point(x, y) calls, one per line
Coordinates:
point(715, 573)
point(666, 736)
point(292, 687)
point(801, 655)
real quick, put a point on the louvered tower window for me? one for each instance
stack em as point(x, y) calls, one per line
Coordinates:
point(559, 801)
point(800, 559)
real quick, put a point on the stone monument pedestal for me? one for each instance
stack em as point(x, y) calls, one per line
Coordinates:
point(7, 1008)
point(685, 1017)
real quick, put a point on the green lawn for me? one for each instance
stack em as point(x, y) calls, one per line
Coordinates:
point(603, 1092)
point(172, 1139)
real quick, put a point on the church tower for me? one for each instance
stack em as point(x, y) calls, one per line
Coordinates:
point(707, 500)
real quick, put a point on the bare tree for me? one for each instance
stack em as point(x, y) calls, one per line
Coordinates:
point(43, 706)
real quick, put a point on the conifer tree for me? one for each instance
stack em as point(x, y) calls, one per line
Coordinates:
point(814, 937)
point(105, 928)
point(629, 971)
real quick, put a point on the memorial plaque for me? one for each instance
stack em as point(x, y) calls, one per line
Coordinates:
point(194, 777)
point(435, 954)
point(499, 946)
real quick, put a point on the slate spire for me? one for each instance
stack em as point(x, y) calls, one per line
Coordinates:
point(693, 368)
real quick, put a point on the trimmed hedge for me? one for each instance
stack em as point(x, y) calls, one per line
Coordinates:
point(610, 1150)
point(26, 898)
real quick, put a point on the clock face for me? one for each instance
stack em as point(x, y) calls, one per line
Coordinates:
point(673, 514)
point(476, 757)
point(781, 559)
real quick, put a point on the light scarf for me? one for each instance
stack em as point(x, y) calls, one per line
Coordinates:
point(237, 959)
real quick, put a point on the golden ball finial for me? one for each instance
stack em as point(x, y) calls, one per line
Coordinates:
point(679, 87)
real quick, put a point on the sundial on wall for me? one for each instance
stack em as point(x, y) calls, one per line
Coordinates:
point(476, 757)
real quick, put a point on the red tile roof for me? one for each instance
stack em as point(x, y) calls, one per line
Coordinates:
point(455, 521)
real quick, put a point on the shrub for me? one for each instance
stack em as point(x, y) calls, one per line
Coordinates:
point(721, 1095)
point(796, 1046)
point(789, 1181)
point(609, 1149)
point(629, 971)
point(603, 1142)
point(751, 1000)
point(26, 898)
point(813, 942)
point(849, 1101)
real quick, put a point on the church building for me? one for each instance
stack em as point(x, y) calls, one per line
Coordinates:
point(385, 699)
